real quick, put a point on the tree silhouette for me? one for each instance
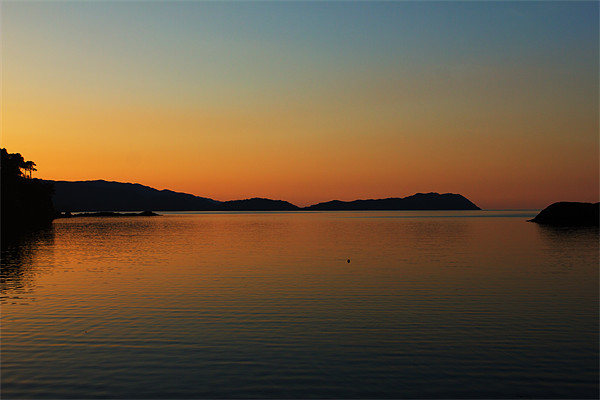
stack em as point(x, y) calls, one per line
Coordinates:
point(11, 165)
point(14, 166)
point(29, 166)
point(25, 203)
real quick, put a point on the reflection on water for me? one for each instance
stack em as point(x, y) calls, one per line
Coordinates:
point(570, 247)
point(432, 305)
point(19, 255)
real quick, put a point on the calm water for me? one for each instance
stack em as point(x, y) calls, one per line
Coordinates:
point(432, 304)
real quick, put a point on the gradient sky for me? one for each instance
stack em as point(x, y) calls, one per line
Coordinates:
point(309, 101)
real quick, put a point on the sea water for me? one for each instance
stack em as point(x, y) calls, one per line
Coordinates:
point(471, 304)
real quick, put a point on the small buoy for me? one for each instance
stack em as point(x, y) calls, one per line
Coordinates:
point(348, 261)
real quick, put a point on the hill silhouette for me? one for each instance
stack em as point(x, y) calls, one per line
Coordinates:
point(419, 201)
point(102, 195)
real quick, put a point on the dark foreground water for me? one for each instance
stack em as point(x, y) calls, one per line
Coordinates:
point(432, 305)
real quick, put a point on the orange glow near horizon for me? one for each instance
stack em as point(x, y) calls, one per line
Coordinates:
point(136, 146)
point(230, 116)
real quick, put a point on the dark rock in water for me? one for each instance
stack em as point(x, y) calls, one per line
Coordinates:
point(147, 214)
point(116, 214)
point(569, 214)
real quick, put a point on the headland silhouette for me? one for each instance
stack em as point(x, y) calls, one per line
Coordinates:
point(26, 202)
point(569, 214)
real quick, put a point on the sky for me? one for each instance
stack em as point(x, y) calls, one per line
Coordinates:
point(309, 101)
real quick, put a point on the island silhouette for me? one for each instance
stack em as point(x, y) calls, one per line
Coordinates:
point(101, 195)
point(419, 201)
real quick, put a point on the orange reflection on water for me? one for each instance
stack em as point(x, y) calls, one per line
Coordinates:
point(288, 254)
point(188, 304)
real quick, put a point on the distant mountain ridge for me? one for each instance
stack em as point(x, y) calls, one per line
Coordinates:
point(100, 195)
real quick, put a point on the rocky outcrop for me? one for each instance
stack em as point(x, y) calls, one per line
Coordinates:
point(569, 214)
